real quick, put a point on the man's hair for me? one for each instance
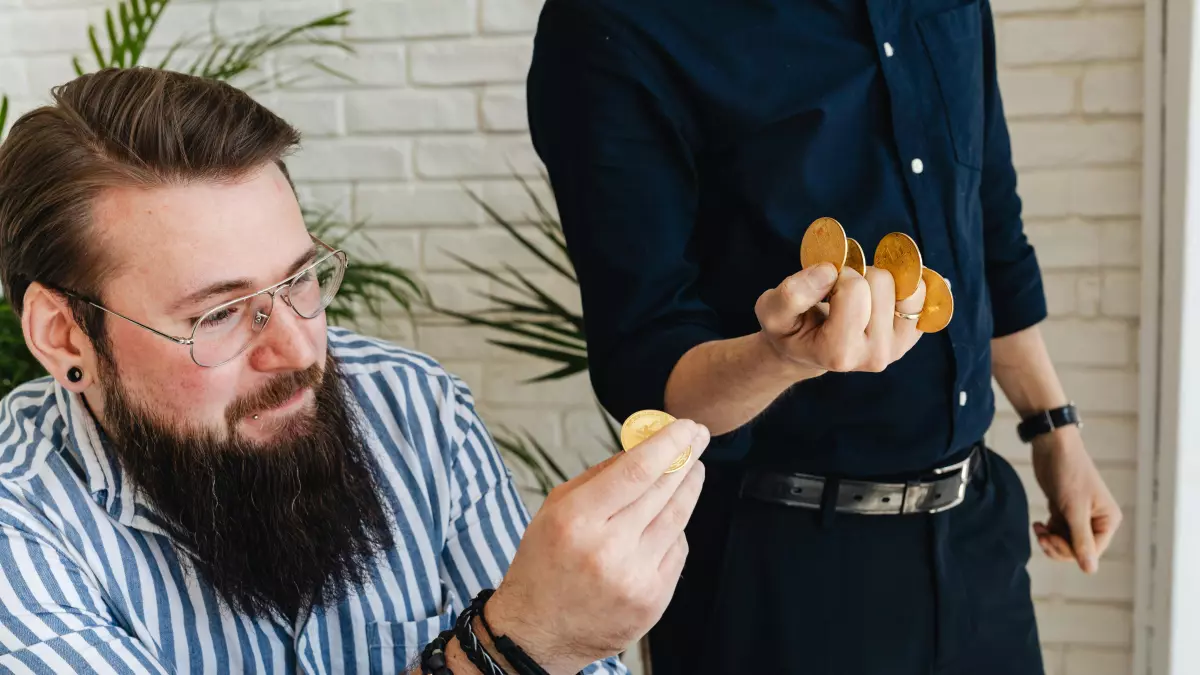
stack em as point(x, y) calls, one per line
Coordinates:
point(136, 127)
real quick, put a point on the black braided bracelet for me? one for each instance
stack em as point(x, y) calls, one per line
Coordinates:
point(433, 658)
point(469, 642)
point(524, 664)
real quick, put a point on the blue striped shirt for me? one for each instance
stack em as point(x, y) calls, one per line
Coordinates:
point(91, 584)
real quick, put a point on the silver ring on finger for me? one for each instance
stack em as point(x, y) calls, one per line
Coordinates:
point(910, 317)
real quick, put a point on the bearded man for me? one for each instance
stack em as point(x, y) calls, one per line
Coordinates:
point(213, 480)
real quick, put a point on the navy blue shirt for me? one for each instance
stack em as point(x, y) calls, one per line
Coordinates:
point(689, 146)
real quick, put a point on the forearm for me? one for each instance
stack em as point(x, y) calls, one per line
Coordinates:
point(726, 383)
point(1026, 375)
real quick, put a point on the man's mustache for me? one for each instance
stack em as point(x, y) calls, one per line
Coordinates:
point(274, 393)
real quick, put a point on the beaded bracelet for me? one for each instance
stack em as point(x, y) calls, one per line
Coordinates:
point(433, 658)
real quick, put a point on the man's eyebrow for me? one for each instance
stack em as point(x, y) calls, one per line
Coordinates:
point(232, 285)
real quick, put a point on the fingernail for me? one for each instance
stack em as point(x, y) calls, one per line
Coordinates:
point(823, 275)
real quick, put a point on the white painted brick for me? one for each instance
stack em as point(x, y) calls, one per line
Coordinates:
point(472, 62)
point(1113, 89)
point(546, 428)
point(1101, 391)
point(299, 12)
point(507, 382)
point(14, 78)
point(1084, 623)
point(492, 249)
point(1057, 144)
point(372, 65)
point(1061, 289)
point(557, 287)
point(1116, 3)
point(511, 200)
point(430, 204)
point(1052, 660)
point(1120, 244)
point(1108, 35)
point(323, 197)
point(461, 342)
point(459, 292)
point(476, 156)
point(1082, 661)
point(394, 327)
point(1085, 192)
point(1076, 342)
point(351, 159)
point(398, 247)
point(1122, 294)
point(1112, 581)
point(1065, 244)
point(1000, 7)
point(411, 110)
point(387, 19)
point(313, 114)
point(511, 16)
point(192, 21)
point(47, 72)
point(42, 32)
point(1037, 92)
point(1087, 295)
point(1044, 193)
point(504, 109)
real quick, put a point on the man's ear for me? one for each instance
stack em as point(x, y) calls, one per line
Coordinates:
point(55, 339)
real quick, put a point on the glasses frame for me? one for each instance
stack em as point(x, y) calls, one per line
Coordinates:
point(272, 290)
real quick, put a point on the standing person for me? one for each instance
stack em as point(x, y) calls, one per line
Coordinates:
point(852, 521)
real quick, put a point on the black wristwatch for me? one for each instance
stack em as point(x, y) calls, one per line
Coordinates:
point(1046, 421)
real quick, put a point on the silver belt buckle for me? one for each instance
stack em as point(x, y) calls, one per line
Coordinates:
point(915, 492)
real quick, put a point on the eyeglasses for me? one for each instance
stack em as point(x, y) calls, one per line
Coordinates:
point(225, 331)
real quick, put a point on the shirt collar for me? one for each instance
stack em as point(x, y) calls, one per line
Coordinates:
point(106, 481)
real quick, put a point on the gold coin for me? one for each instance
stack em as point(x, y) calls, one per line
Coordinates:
point(939, 303)
point(645, 423)
point(855, 259)
point(898, 254)
point(824, 241)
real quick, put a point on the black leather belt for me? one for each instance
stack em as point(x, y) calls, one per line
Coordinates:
point(943, 488)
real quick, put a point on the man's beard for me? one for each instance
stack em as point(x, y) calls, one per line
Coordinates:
point(274, 526)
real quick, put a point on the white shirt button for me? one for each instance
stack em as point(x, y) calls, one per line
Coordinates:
point(947, 283)
point(918, 166)
point(887, 50)
point(962, 398)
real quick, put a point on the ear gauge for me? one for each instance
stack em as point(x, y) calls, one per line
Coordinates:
point(74, 374)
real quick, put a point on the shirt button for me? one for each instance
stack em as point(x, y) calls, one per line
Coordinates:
point(962, 398)
point(887, 50)
point(947, 283)
point(918, 166)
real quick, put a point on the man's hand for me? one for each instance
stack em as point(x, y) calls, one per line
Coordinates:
point(1083, 515)
point(857, 331)
point(601, 559)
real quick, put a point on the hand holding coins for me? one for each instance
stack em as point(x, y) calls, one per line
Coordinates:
point(601, 558)
point(874, 314)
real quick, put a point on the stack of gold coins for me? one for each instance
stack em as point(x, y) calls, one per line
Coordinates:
point(825, 241)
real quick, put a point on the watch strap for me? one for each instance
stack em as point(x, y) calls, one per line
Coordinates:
point(1046, 421)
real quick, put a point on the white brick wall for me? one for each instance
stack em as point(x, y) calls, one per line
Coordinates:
point(438, 106)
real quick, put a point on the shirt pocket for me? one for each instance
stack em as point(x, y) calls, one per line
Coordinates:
point(399, 643)
point(954, 40)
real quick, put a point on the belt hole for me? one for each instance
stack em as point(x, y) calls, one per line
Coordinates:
point(887, 499)
point(797, 490)
point(937, 495)
point(858, 498)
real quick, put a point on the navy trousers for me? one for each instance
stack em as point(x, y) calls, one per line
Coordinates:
point(787, 591)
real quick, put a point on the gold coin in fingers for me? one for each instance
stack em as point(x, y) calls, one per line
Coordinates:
point(824, 241)
point(855, 259)
point(898, 254)
point(939, 303)
point(642, 425)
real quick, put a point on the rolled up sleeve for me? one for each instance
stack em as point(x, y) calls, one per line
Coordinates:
point(622, 172)
point(1014, 277)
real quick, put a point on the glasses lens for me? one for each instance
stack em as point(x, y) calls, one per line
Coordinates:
point(223, 333)
point(312, 291)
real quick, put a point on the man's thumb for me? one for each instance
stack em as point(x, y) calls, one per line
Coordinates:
point(1082, 539)
point(810, 286)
